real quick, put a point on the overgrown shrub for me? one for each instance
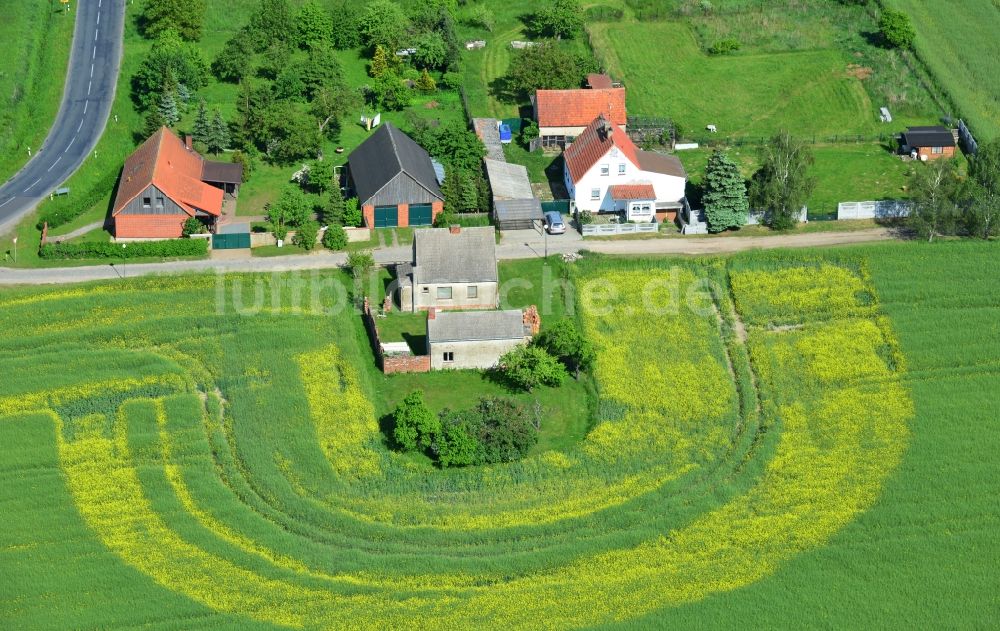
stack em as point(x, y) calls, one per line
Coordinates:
point(139, 249)
point(724, 46)
point(335, 238)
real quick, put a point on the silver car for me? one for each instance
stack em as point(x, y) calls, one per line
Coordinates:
point(554, 223)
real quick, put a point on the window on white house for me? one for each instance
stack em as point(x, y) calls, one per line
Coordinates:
point(449, 357)
point(595, 193)
point(645, 209)
point(425, 289)
point(444, 293)
point(621, 168)
point(605, 169)
point(472, 291)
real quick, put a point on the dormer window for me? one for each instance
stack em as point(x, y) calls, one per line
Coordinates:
point(621, 168)
point(605, 169)
point(147, 202)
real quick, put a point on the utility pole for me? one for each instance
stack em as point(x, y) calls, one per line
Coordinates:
point(15, 250)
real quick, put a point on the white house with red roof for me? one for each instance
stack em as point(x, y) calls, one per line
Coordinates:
point(606, 173)
point(562, 115)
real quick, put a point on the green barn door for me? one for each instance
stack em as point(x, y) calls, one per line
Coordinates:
point(386, 216)
point(231, 241)
point(421, 214)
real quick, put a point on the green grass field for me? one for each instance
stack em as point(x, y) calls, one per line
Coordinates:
point(813, 432)
point(667, 75)
point(37, 35)
point(960, 42)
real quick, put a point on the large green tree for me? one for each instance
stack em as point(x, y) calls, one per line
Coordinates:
point(186, 17)
point(218, 135)
point(313, 24)
point(273, 21)
point(235, 61)
point(725, 196)
point(547, 66)
point(557, 18)
point(415, 425)
point(454, 144)
point(527, 367)
point(291, 209)
point(383, 23)
point(896, 29)
point(783, 183)
point(564, 341)
point(202, 125)
point(983, 214)
point(321, 176)
point(170, 61)
point(431, 50)
point(934, 190)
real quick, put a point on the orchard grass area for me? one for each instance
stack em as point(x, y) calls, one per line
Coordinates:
point(816, 423)
point(960, 43)
point(37, 35)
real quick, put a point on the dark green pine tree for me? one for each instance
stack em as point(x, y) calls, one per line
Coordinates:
point(725, 196)
point(333, 213)
point(470, 193)
point(218, 136)
point(453, 190)
point(154, 120)
point(202, 127)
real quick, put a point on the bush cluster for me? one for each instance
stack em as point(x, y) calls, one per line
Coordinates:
point(140, 249)
point(494, 430)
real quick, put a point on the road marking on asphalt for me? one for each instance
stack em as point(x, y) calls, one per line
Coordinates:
point(98, 15)
point(96, 31)
point(53, 164)
point(80, 126)
point(32, 184)
point(71, 141)
point(6, 202)
point(94, 56)
point(91, 70)
point(85, 104)
point(89, 84)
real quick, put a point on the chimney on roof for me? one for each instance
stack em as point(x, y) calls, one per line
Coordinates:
point(187, 142)
point(455, 229)
point(431, 313)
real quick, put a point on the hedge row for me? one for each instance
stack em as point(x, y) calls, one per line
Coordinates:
point(63, 210)
point(139, 249)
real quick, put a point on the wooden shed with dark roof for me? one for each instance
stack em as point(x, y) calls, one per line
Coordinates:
point(164, 183)
point(928, 142)
point(394, 180)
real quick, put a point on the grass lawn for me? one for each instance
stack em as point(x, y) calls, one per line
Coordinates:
point(399, 326)
point(743, 95)
point(960, 43)
point(843, 172)
point(37, 35)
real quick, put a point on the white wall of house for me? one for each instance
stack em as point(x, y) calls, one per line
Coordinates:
point(427, 296)
point(592, 192)
point(478, 355)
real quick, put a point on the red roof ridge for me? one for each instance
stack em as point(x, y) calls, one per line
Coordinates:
point(594, 143)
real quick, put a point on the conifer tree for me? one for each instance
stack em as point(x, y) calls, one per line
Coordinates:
point(426, 82)
point(725, 197)
point(167, 107)
point(380, 63)
point(202, 127)
point(218, 137)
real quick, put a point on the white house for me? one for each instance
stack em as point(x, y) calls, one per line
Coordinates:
point(474, 339)
point(452, 268)
point(605, 172)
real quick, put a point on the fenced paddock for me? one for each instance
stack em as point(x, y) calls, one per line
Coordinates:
point(882, 209)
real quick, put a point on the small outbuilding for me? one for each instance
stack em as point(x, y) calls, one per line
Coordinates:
point(928, 143)
point(474, 339)
point(394, 180)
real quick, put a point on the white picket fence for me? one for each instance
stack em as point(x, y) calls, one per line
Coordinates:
point(612, 229)
point(884, 209)
point(758, 217)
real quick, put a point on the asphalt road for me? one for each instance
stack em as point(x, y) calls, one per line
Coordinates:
point(509, 248)
point(87, 97)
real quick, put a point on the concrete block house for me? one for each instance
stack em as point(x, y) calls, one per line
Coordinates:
point(474, 339)
point(394, 180)
point(928, 143)
point(605, 172)
point(164, 183)
point(562, 115)
point(452, 268)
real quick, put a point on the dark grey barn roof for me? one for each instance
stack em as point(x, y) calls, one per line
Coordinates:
point(472, 326)
point(932, 136)
point(442, 257)
point(383, 156)
point(517, 210)
point(227, 172)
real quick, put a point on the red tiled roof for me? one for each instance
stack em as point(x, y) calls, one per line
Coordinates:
point(166, 163)
point(597, 81)
point(576, 108)
point(593, 144)
point(632, 191)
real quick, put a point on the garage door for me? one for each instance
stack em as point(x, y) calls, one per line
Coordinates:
point(421, 214)
point(233, 241)
point(386, 216)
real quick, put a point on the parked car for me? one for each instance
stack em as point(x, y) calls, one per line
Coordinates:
point(554, 223)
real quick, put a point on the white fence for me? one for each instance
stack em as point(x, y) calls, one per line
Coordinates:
point(612, 229)
point(885, 209)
